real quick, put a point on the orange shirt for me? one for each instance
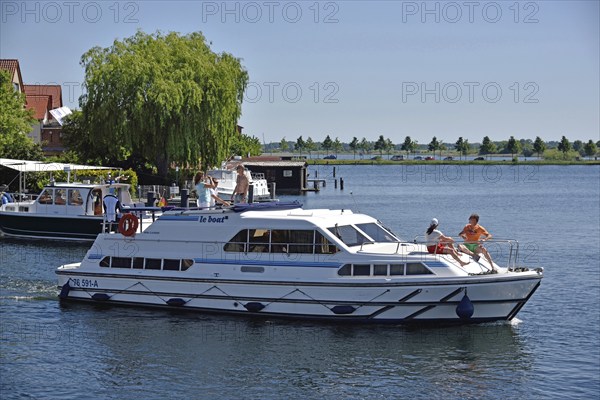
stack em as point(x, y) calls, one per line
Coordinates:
point(473, 233)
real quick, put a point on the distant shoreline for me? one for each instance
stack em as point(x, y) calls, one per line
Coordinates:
point(448, 162)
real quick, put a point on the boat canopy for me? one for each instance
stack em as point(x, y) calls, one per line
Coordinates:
point(40, 166)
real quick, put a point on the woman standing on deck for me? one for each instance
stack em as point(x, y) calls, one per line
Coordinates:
point(203, 187)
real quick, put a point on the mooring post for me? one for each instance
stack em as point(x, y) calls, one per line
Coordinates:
point(342, 183)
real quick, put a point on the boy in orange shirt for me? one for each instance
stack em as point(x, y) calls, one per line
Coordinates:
point(474, 234)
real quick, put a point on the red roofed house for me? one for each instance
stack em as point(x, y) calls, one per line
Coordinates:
point(14, 70)
point(41, 99)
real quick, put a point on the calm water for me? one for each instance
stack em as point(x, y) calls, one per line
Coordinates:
point(552, 351)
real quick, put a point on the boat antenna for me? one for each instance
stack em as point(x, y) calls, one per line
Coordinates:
point(354, 200)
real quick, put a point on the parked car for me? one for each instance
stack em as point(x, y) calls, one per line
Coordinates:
point(449, 158)
point(429, 158)
point(417, 158)
point(397, 158)
point(330, 157)
point(479, 159)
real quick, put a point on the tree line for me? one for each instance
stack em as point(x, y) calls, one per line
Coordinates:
point(562, 149)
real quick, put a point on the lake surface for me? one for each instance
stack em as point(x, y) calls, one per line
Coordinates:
point(552, 349)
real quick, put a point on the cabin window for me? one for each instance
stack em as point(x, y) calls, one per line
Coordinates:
point(138, 263)
point(105, 262)
point(417, 269)
point(300, 241)
point(120, 262)
point(349, 235)
point(60, 197)
point(361, 270)
point(346, 270)
point(377, 233)
point(186, 264)
point(323, 245)
point(396, 269)
point(380, 270)
point(153, 263)
point(171, 265)
point(75, 198)
point(46, 197)
point(238, 242)
point(258, 240)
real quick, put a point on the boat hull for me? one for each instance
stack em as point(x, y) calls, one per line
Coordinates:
point(32, 225)
point(491, 298)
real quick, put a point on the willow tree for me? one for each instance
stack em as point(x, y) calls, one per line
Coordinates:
point(166, 98)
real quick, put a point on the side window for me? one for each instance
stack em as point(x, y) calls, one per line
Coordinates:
point(258, 240)
point(75, 198)
point(47, 197)
point(280, 241)
point(60, 196)
point(323, 245)
point(302, 241)
point(238, 242)
point(417, 269)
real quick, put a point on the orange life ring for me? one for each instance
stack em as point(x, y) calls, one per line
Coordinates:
point(128, 225)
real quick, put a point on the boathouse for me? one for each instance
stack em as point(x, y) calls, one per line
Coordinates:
point(290, 177)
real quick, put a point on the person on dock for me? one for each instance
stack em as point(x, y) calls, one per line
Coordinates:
point(240, 193)
point(438, 243)
point(474, 235)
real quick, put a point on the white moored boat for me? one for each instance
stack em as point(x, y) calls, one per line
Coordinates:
point(227, 181)
point(281, 260)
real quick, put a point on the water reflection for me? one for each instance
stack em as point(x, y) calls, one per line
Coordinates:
point(155, 347)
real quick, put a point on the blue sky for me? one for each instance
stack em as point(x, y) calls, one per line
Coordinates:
point(355, 68)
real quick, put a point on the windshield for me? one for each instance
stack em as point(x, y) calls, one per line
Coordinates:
point(377, 233)
point(349, 235)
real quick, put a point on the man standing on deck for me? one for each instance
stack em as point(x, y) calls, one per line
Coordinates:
point(240, 193)
point(111, 205)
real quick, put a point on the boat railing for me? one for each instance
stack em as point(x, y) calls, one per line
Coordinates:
point(502, 251)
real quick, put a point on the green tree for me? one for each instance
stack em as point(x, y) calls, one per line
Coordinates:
point(409, 145)
point(564, 146)
point(514, 146)
point(245, 145)
point(590, 148)
point(168, 97)
point(15, 123)
point(365, 146)
point(578, 147)
point(460, 146)
point(300, 144)
point(380, 145)
point(539, 146)
point(283, 145)
point(487, 146)
point(310, 146)
point(389, 146)
point(434, 145)
point(337, 146)
point(354, 145)
point(327, 143)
